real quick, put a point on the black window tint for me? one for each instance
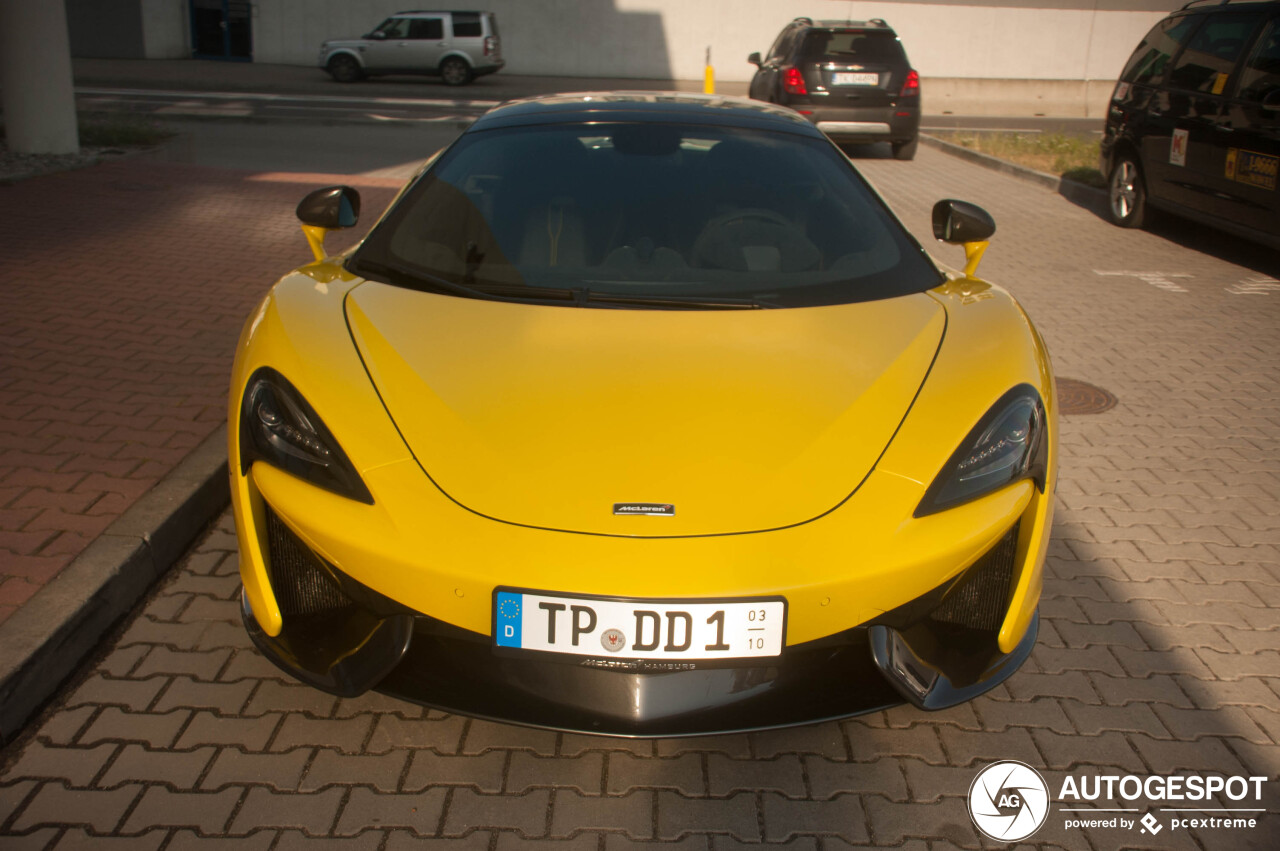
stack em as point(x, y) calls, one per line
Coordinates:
point(778, 51)
point(466, 25)
point(394, 27)
point(851, 45)
point(426, 28)
point(1208, 60)
point(1154, 52)
point(1261, 75)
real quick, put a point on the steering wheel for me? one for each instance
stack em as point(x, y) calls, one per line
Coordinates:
point(748, 214)
point(720, 245)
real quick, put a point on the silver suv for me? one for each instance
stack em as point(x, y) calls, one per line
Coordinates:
point(456, 46)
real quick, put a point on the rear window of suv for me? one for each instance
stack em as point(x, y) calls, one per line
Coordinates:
point(848, 45)
point(1154, 52)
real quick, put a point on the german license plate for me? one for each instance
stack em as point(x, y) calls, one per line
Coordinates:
point(850, 78)
point(639, 629)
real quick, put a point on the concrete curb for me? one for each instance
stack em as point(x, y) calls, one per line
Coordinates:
point(48, 637)
point(1086, 196)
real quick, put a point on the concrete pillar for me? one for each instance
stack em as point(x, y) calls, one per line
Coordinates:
point(35, 78)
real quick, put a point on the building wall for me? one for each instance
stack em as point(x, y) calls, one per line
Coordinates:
point(984, 56)
point(105, 29)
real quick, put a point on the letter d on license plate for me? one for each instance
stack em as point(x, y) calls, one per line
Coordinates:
point(639, 629)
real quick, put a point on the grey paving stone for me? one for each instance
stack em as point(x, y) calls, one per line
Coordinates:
point(372, 702)
point(391, 732)
point(1112, 749)
point(1055, 661)
point(313, 813)
point(483, 771)
point(189, 840)
point(869, 744)
point(200, 665)
point(842, 816)
point(932, 783)
point(1198, 635)
point(154, 729)
point(134, 695)
point(573, 744)
point(297, 730)
point(77, 766)
point(144, 630)
point(584, 773)
point(402, 840)
point(205, 812)
point(735, 815)
point(1118, 691)
point(248, 734)
point(186, 693)
point(250, 665)
point(1204, 755)
point(737, 746)
point(998, 715)
point(78, 839)
point(281, 771)
point(508, 841)
point(56, 805)
point(892, 824)
point(37, 840)
point(1076, 685)
point(1234, 666)
point(1144, 663)
point(1249, 691)
point(1190, 724)
point(627, 772)
point(631, 814)
point(622, 842)
point(293, 840)
point(819, 739)
point(178, 768)
point(330, 768)
point(799, 843)
point(782, 774)
point(63, 727)
point(827, 778)
point(1130, 718)
point(121, 661)
point(365, 809)
point(208, 609)
point(13, 796)
point(486, 735)
point(272, 696)
point(966, 748)
point(903, 716)
point(468, 810)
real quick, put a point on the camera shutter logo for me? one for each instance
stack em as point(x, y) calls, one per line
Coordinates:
point(1008, 801)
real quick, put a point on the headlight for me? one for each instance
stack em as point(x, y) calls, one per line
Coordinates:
point(279, 427)
point(1007, 445)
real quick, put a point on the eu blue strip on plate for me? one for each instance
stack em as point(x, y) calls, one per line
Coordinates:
point(507, 619)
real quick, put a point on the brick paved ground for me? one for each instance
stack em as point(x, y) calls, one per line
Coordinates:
point(124, 287)
point(1159, 651)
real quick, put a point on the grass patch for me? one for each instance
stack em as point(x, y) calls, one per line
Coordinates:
point(1069, 157)
point(120, 131)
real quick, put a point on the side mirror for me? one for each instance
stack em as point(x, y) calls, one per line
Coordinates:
point(327, 209)
point(755, 59)
point(962, 223)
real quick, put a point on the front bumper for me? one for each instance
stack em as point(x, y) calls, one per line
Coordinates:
point(935, 651)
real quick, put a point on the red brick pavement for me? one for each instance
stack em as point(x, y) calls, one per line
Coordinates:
point(125, 286)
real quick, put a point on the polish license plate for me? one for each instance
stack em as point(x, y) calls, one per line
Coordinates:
point(639, 629)
point(850, 78)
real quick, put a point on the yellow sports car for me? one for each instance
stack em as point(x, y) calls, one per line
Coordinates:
point(641, 414)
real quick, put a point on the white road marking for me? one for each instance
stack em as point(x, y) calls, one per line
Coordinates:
point(1255, 286)
point(1160, 280)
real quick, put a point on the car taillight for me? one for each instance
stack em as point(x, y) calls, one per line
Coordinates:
point(793, 82)
point(912, 85)
point(490, 46)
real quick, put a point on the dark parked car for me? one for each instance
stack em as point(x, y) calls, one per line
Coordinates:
point(851, 78)
point(1194, 122)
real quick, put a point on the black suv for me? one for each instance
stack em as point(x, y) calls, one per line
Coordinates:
point(851, 78)
point(1194, 122)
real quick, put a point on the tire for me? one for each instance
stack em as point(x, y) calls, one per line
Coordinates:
point(345, 69)
point(455, 72)
point(906, 150)
point(1126, 193)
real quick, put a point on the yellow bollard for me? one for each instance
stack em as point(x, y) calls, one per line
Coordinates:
point(709, 77)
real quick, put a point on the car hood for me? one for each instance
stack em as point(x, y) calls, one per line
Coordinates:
point(548, 416)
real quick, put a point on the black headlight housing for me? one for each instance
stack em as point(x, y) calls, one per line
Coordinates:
point(279, 427)
point(1010, 443)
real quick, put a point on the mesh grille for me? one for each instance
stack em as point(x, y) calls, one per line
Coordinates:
point(301, 584)
point(980, 599)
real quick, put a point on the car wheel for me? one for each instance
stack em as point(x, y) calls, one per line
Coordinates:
point(1127, 193)
point(345, 69)
point(455, 72)
point(906, 150)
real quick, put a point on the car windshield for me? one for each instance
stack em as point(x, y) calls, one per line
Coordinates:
point(645, 211)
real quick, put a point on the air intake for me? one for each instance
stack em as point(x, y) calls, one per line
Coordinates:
point(299, 579)
point(981, 598)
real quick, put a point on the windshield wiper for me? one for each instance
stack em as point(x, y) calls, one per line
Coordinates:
point(522, 294)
